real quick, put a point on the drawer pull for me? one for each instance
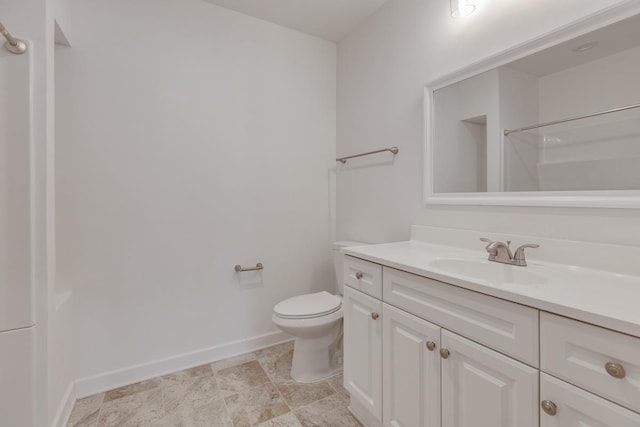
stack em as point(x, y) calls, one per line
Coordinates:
point(444, 353)
point(549, 407)
point(431, 345)
point(375, 315)
point(615, 370)
point(359, 275)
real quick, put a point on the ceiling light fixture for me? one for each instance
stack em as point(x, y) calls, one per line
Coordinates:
point(462, 8)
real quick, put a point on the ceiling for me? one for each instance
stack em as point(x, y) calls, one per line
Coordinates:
point(327, 19)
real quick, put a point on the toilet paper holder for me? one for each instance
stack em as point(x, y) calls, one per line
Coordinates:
point(239, 268)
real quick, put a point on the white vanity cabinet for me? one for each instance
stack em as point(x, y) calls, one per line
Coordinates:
point(481, 387)
point(363, 353)
point(571, 406)
point(475, 384)
point(433, 377)
point(509, 328)
point(588, 362)
point(598, 360)
point(423, 353)
point(411, 370)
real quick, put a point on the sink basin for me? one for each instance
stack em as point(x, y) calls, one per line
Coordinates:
point(488, 271)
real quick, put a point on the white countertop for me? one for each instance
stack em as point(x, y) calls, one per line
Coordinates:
point(603, 298)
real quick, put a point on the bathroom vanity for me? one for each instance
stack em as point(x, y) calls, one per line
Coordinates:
point(436, 335)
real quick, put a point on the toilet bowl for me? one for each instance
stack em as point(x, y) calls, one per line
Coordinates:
point(315, 320)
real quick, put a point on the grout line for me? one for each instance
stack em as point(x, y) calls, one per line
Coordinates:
point(164, 411)
point(226, 410)
point(284, 400)
point(99, 414)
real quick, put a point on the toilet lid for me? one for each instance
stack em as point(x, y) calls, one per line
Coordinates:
point(309, 305)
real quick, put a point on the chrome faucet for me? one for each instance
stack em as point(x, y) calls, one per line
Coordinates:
point(501, 252)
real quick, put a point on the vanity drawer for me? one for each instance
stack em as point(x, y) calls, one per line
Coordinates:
point(504, 326)
point(578, 352)
point(363, 275)
point(576, 407)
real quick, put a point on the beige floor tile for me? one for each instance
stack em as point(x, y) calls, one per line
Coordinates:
point(212, 414)
point(143, 408)
point(190, 393)
point(128, 390)
point(85, 411)
point(298, 394)
point(277, 364)
point(254, 389)
point(256, 405)
point(287, 420)
point(241, 377)
point(330, 411)
point(337, 382)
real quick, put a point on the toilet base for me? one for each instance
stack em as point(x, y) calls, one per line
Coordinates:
point(315, 360)
point(317, 349)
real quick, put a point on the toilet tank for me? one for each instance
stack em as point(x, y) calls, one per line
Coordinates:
point(338, 261)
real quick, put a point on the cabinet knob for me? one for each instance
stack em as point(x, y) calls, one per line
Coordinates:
point(375, 315)
point(549, 407)
point(444, 353)
point(359, 275)
point(616, 370)
point(431, 345)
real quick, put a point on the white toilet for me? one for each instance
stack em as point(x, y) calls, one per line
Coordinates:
point(315, 320)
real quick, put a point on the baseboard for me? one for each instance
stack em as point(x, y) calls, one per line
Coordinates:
point(109, 380)
point(65, 407)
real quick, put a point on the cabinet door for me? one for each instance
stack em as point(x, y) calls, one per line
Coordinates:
point(411, 370)
point(483, 388)
point(579, 408)
point(363, 350)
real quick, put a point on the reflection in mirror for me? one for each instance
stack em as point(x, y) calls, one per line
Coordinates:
point(479, 144)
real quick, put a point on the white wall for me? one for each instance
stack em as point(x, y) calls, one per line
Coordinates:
point(189, 139)
point(382, 68)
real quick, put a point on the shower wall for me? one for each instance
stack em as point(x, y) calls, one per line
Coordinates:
point(189, 139)
point(35, 354)
point(599, 153)
point(17, 317)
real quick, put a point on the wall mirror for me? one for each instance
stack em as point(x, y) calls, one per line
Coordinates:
point(555, 122)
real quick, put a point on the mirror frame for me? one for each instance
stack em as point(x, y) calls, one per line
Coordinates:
point(596, 199)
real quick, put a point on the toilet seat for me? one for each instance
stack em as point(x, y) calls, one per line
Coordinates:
point(308, 306)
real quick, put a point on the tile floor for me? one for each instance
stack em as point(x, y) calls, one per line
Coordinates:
point(253, 389)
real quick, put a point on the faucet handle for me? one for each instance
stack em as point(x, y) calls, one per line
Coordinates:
point(492, 251)
point(518, 257)
point(528, 245)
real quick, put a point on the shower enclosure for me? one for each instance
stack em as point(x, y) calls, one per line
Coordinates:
point(16, 282)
